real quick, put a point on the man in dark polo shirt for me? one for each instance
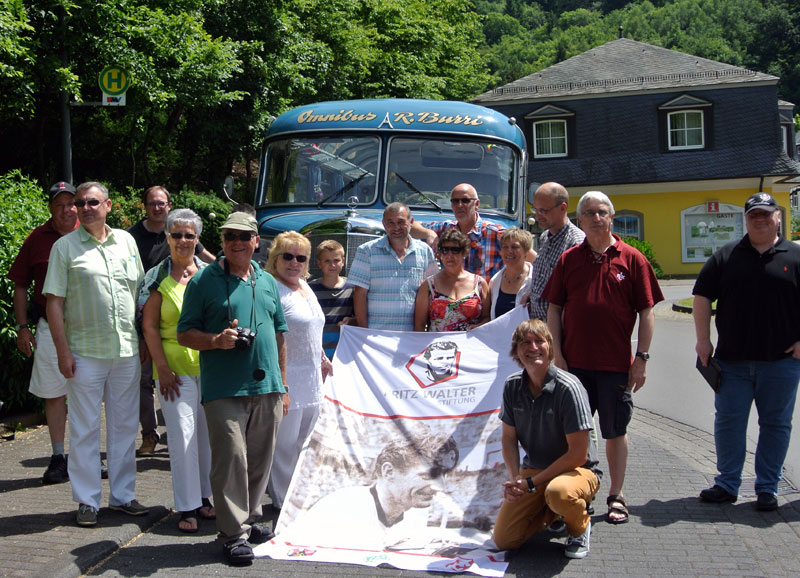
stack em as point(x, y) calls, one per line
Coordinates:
point(596, 291)
point(30, 267)
point(546, 410)
point(151, 240)
point(756, 282)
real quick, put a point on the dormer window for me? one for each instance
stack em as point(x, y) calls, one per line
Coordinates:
point(686, 123)
point(552, 130)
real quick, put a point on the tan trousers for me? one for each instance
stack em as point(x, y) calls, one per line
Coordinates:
point(241, 432)
point(565, 496)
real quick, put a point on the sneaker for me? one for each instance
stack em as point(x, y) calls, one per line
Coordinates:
point(717, 495)
point(132, 508)
point(87, 516)
point(578, 546)
point(56, 472)
point(238, 552)
point(260, 533)
point(766, 502)
point(148, 447)
point(557, 527)
point(103, 469)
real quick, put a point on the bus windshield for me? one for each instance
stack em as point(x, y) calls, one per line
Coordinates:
point(324, 169)
point(421, 172)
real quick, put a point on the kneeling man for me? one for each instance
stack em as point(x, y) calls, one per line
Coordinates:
point(546, 410)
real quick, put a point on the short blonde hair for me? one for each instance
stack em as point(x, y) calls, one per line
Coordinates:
point(512, 234)
point(538, 328)
point(281, 244)
point(329, 245)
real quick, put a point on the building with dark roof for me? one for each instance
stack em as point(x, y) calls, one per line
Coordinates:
point(676, 141)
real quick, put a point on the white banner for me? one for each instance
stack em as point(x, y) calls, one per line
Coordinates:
point(404, 466)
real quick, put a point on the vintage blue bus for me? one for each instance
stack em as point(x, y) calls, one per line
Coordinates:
point(329, 169)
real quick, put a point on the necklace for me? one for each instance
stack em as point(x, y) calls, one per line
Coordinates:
point(515, 279)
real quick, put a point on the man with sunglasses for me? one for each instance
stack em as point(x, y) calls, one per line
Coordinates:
point(484, 252)
point(91, 288)
point(152, 242)
point(388, 271)
point(550, 204)
point(232, 314)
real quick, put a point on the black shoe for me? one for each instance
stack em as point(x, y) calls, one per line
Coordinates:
point(56, 472)
point(238, 552)
point(103, 469)
point(717, 495)
point(260, 533)
point(766, 502)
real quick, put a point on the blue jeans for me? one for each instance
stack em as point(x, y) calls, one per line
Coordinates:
point(773, 387)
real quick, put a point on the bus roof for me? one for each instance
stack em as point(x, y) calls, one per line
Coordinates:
point(400, 115)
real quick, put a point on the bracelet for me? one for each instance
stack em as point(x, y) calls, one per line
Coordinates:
point(20, 326)
point(286, 387)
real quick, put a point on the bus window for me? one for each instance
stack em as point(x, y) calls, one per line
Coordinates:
point(321, 169)
point(422, 171)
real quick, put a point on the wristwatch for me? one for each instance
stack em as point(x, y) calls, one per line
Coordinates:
point(643, 354)
point(531, 487)
point(19, 326)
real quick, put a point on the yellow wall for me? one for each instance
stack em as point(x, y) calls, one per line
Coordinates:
point(661, 205)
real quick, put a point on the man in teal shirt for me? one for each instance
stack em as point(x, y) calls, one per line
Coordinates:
point(91, 289)
point(232, 314)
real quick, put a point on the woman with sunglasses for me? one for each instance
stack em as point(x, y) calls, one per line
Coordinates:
point(176, 370)
point(513, 281)
point(454, 299)
point(306, 364)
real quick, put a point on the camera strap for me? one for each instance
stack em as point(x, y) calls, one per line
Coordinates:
point(253, 313)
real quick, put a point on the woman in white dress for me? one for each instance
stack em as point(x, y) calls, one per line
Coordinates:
point(306, 364)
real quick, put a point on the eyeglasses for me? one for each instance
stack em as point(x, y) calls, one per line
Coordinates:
point(298, 258)
point(187, 236)
point(591, 213)
point(464, 201)
point(539, 211)
point(453, 250)
point(158, 204)
point(91, 202)
point(243, 236)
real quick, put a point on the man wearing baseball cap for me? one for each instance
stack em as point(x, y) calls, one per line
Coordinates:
point(756, 282)
point(232, 314)
point(30, 267)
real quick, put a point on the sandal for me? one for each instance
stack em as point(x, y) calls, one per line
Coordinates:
point(206, 511)
point(188, 522)
point(617, 505)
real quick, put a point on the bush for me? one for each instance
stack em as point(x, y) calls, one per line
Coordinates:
point(647, 250)
point(23, 207)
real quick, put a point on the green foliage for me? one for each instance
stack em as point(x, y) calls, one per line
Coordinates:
point(23, 207)
point(211, 209)
point(646, 249)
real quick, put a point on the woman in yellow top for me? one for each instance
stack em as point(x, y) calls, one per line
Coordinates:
point(176, 370)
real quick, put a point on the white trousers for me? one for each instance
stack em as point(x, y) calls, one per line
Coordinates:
point(189, 450)
point(293, 432)
point(117, 382)
point(46, 379)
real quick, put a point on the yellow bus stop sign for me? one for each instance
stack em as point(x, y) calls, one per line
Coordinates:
point(114, 80)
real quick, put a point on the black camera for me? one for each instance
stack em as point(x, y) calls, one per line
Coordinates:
point(244, 339)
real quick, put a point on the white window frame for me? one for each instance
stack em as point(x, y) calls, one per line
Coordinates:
point(550, 138)
point(685, 130)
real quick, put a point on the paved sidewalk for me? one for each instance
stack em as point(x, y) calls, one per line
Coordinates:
point(670, 533)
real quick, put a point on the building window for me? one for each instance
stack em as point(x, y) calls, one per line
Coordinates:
point(628, 224)
point(550, 139)
point(686, 130)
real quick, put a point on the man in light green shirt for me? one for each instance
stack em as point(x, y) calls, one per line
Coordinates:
point(91, 289)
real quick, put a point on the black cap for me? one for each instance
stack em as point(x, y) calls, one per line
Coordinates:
point(61, 187)
point(761, 201)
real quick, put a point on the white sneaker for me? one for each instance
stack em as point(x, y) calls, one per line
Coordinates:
point(578, 546)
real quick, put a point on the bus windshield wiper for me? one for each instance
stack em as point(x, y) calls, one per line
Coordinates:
point(343, 189)
point(417, 191)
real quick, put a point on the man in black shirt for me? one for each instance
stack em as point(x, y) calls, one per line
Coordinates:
point(756, 282)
